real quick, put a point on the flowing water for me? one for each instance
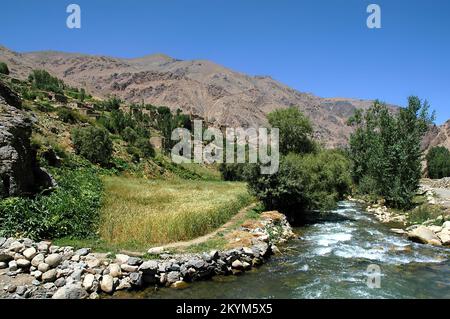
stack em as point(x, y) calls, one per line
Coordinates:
point(330, 260)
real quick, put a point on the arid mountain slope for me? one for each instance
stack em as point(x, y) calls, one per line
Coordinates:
point(211, 91)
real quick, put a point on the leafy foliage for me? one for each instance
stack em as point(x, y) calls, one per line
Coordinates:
point(385, 151)
point(438, 162)
point(42, 80)
point(295, 130)
point(93, 144)
point(303, 182)
point(4, 68)
point(72, 210)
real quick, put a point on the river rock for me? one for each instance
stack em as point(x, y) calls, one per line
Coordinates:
point(83, 251)
point(5, 257)
point(93, 262)
point(107, 284)
point(149, 267)
point(3, 265)
point(23, 263)
point(237, 264)
point(39, 258)
point(42, 247)
point(134, 261)
point(49, 276)
point(60, 282)
point(424, 235)
point(122, 259)
point(88, 281)
point(53, 260)
point(124, 284)
point(398, 231)
point(172, 277)
point(21, 290)
point(136, 279)
point(444, 236)
point(72, 291)
point(16, 246)
point(114, 270)
point(43, 267)
point(29, 253)
point(12, 265)
point(129, 268)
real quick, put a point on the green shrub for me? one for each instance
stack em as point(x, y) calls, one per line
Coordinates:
point(93, 144)
point(72, 210)
point(145, 147)
point(44, 106)
point(42, 80)
point(66, 115)
point(423, 213)
point(129, 135)
point(303, 182)
point(438, 162)
point(4, 68)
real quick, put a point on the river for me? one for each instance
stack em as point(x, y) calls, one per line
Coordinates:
point(330, 259)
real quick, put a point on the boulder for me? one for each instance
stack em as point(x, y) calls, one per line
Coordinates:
point(53, 260)
point(5, 257)
point(107, 284)
point(424, 235)
point(72, 291)
point(149, 267)
point(20, 173)
point(29, 253)
point(49, 276)
point(114, 270)
point(23, 263)
point(38, 259)
point(88, 282)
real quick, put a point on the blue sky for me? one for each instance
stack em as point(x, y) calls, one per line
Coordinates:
point(318, 46)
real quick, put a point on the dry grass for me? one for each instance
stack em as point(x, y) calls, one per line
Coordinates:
point(140, 213)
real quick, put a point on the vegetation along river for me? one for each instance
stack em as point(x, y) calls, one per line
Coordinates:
point(330, 260)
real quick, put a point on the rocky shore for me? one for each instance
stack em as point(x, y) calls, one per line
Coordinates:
point(30, 269)
point(432, 231)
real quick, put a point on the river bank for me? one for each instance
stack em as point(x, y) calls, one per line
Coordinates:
point(31, 269)
point(330, 259)
point(428, 223)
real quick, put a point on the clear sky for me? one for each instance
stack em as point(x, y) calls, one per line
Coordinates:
point(318, 46)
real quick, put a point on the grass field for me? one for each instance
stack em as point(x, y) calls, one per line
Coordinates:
point(139, 213)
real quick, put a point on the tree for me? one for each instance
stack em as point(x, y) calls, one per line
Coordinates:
point(295, 130)
point(438, 162)
point(4, 68)
point(93, 144)
point(303, 182)
point(385, 150)
point(42, 80)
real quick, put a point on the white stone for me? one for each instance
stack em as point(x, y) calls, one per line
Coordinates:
point(88, 281)
point(122, 259)
point(107, 284)
point(53, 260)
point(114, 270)
point(29, 253)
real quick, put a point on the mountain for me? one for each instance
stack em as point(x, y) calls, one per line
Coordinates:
point(221, 96)
point(437, 136)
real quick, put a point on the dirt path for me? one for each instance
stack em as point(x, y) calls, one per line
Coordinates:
point(202, 239)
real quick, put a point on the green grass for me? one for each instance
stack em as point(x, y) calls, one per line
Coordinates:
point(423, 213)
point(139, 213)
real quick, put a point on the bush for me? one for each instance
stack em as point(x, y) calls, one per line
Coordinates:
point(72, 210)
point(129, 135)
point(4, 68)
point(93, 144)
point(145, 147)
point(42, 80)
point(67, 116)
point(303, 182)
point(438, 162)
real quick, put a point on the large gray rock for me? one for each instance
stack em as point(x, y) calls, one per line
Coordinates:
point(19, 171)
point(53, 260)
point(149, 267)
point(71, 291)
point(424, 235)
